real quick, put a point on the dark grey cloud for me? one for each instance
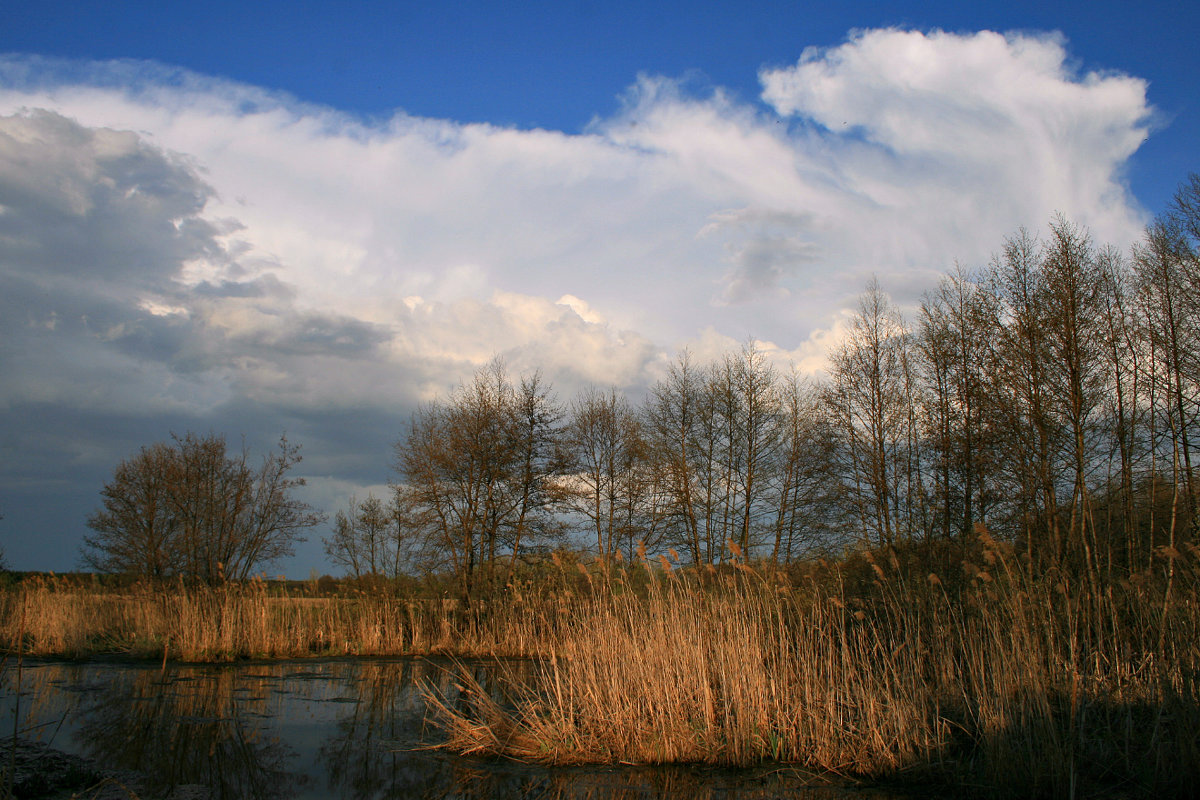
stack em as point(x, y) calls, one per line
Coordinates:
point(311, 334)
point(107, 343)
point(94, 223)
point(98, 205)
point(766, 264)
point(265, 286)
point(97, 230)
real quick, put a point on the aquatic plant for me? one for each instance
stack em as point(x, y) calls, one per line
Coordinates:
point(987, 678)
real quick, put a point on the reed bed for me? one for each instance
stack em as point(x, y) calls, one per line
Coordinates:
point(57, 617)
point(988, 678)
point(986, 675)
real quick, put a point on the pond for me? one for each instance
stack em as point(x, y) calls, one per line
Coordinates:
point(319, 729)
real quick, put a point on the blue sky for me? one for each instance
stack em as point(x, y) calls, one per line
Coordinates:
point(252, 218)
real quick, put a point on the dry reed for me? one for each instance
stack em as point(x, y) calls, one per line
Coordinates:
point(251, 620)
point(985, 677)
point(1030, 684)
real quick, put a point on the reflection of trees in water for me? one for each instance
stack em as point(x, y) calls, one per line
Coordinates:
point(376, 750)
point(187, 726)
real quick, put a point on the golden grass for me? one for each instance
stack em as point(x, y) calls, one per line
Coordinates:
point(1030, 684)
point(221, 623)
point(983, 676)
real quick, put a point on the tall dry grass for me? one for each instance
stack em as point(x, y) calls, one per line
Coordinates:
point(253, 620)
point(983, 676)
point(986, 678)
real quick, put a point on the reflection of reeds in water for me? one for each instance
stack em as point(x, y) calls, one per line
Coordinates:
point(219, 726)
point(484, 780)
point(1024, 683)
point(250, 620)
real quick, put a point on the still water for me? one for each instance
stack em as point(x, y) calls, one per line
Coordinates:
point(318, 729)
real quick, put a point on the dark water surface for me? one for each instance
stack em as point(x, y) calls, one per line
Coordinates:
point(319, 729)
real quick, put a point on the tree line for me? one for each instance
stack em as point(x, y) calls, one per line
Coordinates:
point(1052, 396)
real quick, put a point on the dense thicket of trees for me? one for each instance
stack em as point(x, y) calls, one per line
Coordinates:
point(1052, 396)
point(191, 508)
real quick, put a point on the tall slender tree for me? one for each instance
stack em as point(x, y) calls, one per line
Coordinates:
point(867, 395)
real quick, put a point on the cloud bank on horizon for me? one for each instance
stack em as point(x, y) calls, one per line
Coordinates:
point(173, 244)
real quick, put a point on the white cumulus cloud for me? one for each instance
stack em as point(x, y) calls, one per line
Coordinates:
point(895, 154)
point(175, 244)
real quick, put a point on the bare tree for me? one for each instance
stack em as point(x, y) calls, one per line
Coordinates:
point(1170, 280)
point(1077, 379)
point(600, 437)
point(674, 416)
point(274, 520)
point(1123, 340)
point(612, 482)
point(806, 495)
point(868, 396)
point(136, 530)
point(1029, 438)
point(478, 472)
point(953, 347)
point(536, 434)
point(363, 539)
point(187, 508)
point(745, 398)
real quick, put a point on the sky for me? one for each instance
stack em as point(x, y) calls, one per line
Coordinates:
point(301, 218)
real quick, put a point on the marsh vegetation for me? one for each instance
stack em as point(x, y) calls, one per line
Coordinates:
point(967, 555)
point(868, 669)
